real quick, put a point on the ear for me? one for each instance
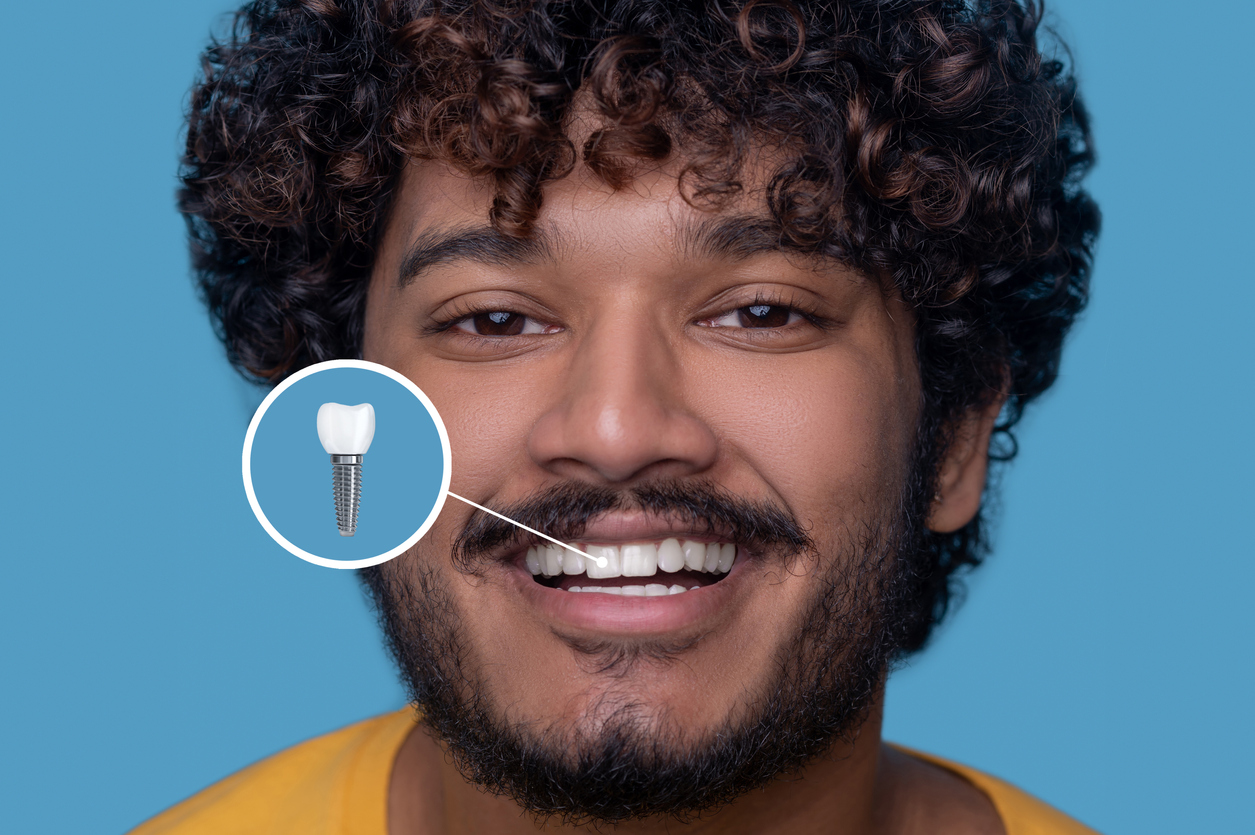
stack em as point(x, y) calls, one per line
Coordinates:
point(962, 479)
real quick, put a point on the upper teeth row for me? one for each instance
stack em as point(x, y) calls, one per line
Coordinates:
point(632, 560)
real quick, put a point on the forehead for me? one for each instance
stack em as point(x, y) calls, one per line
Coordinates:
point(434, 194)
point(441, 215)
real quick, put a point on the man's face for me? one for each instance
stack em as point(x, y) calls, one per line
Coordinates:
point(647, 357)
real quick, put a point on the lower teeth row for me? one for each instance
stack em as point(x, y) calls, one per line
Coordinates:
point(651, 590)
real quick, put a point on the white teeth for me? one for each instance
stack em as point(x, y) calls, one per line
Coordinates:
point(639, 560)
point(694, 555)
point(552, 560)
point(670, 556)
point(650, 590)
point(346, 430)
point(636, 559)
point(711, 563)
point(573, 563)
point(610, 554)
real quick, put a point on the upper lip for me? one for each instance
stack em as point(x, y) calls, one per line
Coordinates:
point(618, 527)
point(639, 526)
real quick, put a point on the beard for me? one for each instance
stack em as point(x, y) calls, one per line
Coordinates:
point(637, 763)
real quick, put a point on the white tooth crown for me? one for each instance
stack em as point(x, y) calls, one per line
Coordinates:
point(552, 561)
point(670, 556)
point(711, 563)
point(694, 555)
point(636, 559)
point(609, 553)
point(346, 430)
point(572, 563)
point(639, 560)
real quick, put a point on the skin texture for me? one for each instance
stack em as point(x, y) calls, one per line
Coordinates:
point(635, 366)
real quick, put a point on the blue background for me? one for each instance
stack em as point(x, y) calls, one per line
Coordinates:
point(401, 471)
point(153, 638)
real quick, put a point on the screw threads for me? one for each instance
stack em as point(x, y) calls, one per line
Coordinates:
point(346, 479)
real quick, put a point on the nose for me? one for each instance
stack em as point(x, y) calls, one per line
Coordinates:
point(620, 413)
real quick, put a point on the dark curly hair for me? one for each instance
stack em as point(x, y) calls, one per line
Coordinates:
point(928, 143)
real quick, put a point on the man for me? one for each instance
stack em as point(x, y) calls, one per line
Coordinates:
point(734, 295)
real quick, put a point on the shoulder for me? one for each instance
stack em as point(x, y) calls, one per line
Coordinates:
point(1021, 813)
point(337, 783)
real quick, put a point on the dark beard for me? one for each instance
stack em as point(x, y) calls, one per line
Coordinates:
point(827, 673)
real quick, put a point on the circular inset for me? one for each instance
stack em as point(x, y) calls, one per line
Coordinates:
point(331, 505)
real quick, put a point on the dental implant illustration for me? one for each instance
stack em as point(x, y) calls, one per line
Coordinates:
point(346, 433)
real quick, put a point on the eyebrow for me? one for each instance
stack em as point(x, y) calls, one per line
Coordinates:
point(478, 244)
point(740, 237)
point(733, 238)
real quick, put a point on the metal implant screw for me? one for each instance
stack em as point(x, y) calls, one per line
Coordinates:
point(346, 479)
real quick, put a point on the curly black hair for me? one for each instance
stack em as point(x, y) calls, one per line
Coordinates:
point(928, 143)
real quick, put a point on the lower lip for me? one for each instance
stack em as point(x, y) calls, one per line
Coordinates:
point(624, 614)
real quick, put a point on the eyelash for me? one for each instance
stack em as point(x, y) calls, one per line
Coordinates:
point(462, 313)
point(804, 309)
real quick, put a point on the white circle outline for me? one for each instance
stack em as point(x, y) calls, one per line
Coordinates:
point(444, 449)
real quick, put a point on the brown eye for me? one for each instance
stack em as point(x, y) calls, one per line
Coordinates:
point(764, 316)
point(757, 317)
point(502, 323)
point(498, 323)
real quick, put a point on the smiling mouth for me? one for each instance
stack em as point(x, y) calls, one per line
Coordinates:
point(675, 566)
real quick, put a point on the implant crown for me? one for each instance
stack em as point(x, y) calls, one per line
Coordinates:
point(346, 433)
point(346, 430)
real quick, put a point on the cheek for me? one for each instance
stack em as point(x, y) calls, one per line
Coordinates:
point(821, 428)
point(488, 423)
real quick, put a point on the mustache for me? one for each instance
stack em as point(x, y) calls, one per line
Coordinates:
point(564, 511)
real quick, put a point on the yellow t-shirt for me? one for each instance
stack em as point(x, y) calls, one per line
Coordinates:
point(338, 785)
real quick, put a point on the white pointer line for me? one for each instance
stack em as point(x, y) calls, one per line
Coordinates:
point(601, 561)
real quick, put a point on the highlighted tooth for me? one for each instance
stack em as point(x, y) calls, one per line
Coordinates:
point(613, 566)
